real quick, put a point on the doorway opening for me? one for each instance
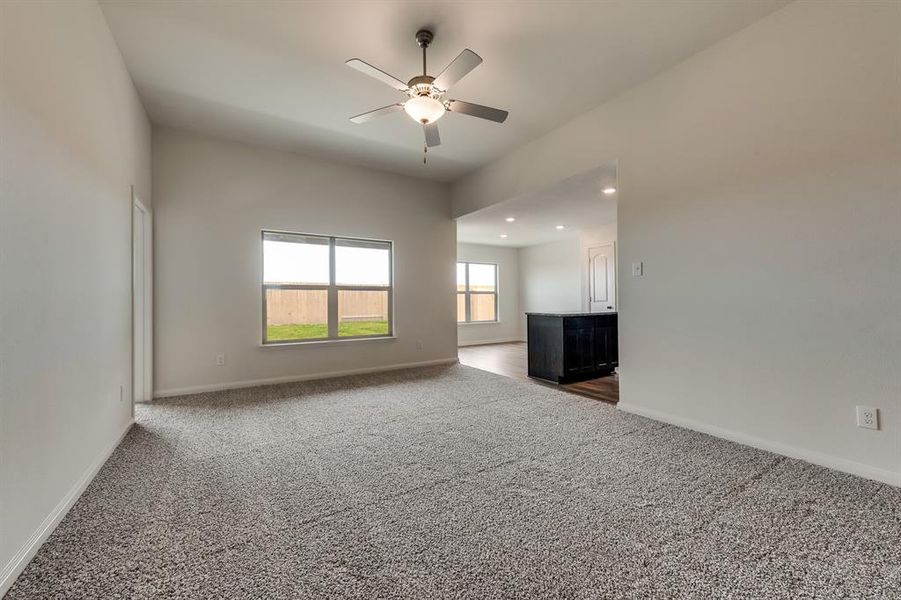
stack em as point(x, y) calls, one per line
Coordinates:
point(549, 251)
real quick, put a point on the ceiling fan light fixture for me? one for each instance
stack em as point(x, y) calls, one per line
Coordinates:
point(424, 109)
point(427, 102)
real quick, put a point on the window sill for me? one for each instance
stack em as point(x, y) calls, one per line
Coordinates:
point(480, 323)
point(379, 338)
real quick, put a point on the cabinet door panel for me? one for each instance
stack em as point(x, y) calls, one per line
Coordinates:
point(545, 347)
point(606, 347)
point(613, 347)
point(602, 339)
point(579, 350)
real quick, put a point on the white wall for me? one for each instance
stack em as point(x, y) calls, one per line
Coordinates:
point(212, 198)
point(759, 183)
point(507, 329)
point(74, 139)
point(550, 277)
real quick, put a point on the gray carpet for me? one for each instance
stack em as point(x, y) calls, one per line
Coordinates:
point(456, 483)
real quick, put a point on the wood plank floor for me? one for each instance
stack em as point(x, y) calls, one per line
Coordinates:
point(510, 360)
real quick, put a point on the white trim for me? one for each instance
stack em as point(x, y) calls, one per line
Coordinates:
point(216, 387)
point(31, 546)
point(146, 318)
point(811, 456)
point(487, 342)
point(370, 338)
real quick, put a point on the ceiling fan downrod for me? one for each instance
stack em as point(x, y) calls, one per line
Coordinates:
point(424, 37)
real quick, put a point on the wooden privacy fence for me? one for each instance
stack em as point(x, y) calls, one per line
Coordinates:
point(481, 307)
point(302, 307)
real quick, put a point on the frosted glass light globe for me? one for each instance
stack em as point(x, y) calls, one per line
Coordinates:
point(424, 109)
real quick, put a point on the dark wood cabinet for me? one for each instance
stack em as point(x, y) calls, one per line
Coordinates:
point(578, 350)
point(564, 348)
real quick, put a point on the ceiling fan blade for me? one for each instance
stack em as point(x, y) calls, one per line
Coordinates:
point(465, 62)
point(368, 116)
point(431, 135)
point(477, 110)
point(365, 67)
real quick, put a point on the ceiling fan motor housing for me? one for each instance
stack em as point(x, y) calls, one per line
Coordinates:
point(421, 85)
point(424, 37)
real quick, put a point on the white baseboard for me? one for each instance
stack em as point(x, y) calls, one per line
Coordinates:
point(817, 458)
point(31, 546)
point(486, 342)
point(234, 385)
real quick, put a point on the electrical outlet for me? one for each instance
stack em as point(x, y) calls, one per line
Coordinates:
point(868, 417)
point(637, 269)
point(419, 344)
point(220, 360)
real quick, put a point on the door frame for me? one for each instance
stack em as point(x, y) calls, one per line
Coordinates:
point(142, 357)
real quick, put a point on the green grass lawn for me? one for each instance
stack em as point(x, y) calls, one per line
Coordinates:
point(275, 333)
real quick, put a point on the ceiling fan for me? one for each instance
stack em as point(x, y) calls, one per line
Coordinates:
point(426, 103)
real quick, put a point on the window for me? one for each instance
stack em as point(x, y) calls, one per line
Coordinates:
point(319, 287)
point(476, 292)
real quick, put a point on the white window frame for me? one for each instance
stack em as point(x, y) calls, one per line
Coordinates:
point(332, 288)
point(468, 294)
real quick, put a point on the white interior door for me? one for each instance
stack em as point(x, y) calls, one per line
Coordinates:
point(142, 298)
point(602, 278)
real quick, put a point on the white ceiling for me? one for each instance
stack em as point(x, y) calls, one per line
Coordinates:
point(272, 72)
point(577, 203)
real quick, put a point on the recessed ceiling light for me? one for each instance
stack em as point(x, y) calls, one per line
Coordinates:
point(503, 235)
point(560, 227)
point(510, 219)
point(609, 190)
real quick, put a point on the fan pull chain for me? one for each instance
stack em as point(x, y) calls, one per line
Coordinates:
point(425, 151)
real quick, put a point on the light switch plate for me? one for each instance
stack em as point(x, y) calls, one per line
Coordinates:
point(637, 269)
